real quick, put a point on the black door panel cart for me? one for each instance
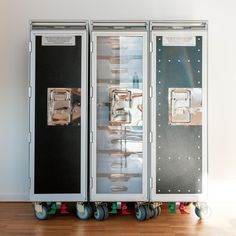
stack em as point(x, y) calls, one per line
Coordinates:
point(58, 115)
point(179, 113)
point(119, 80)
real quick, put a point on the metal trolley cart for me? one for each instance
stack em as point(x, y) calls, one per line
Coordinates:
point(58, 116)
point(179, 113)
point(118, 160)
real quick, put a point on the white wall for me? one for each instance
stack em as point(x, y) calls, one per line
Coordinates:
point(14, 26)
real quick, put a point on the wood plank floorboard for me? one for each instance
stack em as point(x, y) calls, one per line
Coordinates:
point(18, 219)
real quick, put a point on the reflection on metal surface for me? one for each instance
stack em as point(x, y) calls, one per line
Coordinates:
point(115, 188)
point(185, 106)
point(119, 114)
point(64, 106)
point(125, 106)
point(119, 177)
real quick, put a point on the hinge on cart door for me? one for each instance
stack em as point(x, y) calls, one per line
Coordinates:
point(30, 46)
point(151, 92)
point(91, 91)
point(29, 91)
point(91, 46)
point(91, 182)
point(91, 137)
point(151, 46)
point(29, 182)
point(29, 137)
point(150, 137)
point(151, 183)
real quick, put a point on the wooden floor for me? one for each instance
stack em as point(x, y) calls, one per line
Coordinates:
point(18, 219)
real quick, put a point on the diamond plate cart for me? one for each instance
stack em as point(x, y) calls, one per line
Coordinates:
point(119, 72)
point(58, 116)
point(179, 113)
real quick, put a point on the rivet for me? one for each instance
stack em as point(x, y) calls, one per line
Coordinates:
point(179, 158)
point(159, 136)
point(159, 158)
point(159, 82)
point(159, 168)
point(159, 49)
point(198, 180)
point(198, 60)
point(159, 92)
point(189, 190)
point(159, 114)
point(159, 147)
point(159, 39)
point(199, 169)
point(169, 158)
point(198, 147)
point(169, 60)
point(199, 50)
point(169, 190)
point(188, 60)
point(198, 39)
point(199, 136)
point(159, 179)
point(179, 190)
point(199, 158)
point(189, 158)
point(159, 71)
point(198, 71)
point(159, 60)
point(198, 82)
point(159, 103)
point(199, 190)
point(178, 60)
point(159, 190)
point(159, 125)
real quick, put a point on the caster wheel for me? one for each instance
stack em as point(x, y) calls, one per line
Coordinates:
point(42, 215)
point(148, 212)
point(140, 213)
point(156, 212)
point(99, 214)
point(202, 212)
point(187, 203)
point(86, 214)
point(106, 212)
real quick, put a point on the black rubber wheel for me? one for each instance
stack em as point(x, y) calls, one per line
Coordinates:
point(148, 212)
point(99, 214)
point(106, 212)
point(41, 215)
point(156, 212)
point(140, 213)
point(86, 214)
point(203, 212)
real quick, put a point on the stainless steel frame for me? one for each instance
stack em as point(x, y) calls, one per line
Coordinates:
point(102, 28)
point(60, 28)
point(188, 29)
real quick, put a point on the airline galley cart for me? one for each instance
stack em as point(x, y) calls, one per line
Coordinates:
point(119, 75)
point(58, 116)
point(179, 113)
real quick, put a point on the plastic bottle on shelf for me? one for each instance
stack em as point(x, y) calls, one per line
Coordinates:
point(135, 80)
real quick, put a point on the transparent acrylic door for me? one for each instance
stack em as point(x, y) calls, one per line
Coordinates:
point(119, 114)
